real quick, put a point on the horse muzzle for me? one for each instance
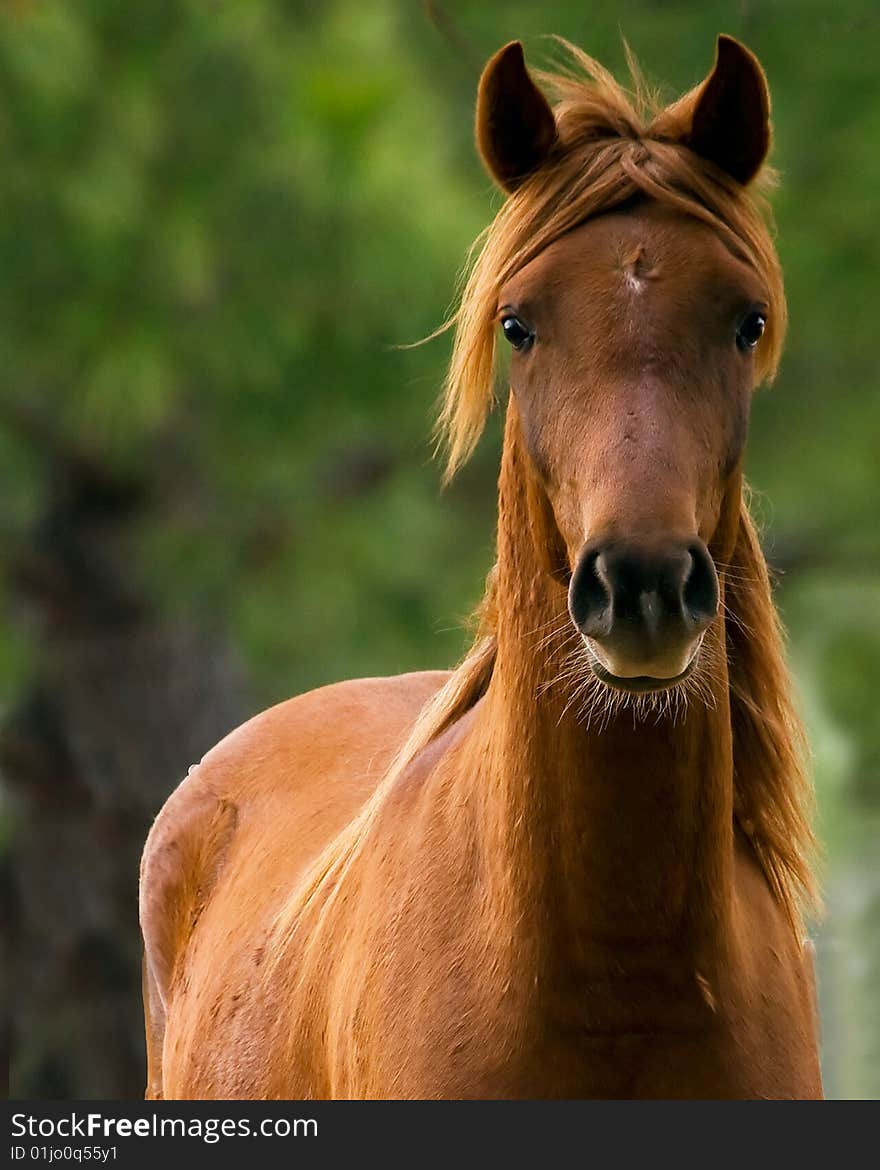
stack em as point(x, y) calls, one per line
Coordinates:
point(643, 610)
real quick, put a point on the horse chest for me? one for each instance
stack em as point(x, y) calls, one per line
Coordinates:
point(704, 1064)
point(661, 1035)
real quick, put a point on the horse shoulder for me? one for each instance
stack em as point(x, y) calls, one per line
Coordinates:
point(778, 967)
point(314, 758)
point(276, 790)
point(185, 843)
point(183, 854)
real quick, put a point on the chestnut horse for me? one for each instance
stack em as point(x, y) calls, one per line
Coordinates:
point(575, 866)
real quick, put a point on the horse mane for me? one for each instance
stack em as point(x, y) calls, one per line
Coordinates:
point(773, 797)
point(615, 146)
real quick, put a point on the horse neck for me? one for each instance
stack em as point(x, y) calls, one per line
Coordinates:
point(610, 831)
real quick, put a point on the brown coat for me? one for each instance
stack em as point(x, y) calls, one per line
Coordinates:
point(535, 876)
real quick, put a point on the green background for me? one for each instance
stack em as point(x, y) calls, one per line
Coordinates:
point(218, 221)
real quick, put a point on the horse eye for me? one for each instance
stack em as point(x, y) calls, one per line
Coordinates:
point(751, 331)
point(519, 335)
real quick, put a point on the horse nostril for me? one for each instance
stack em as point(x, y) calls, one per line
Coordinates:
point(700, 590)
point(621, 593)
point(589, 599)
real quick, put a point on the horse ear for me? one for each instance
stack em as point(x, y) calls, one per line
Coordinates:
point(731, 119)
point(515, 125)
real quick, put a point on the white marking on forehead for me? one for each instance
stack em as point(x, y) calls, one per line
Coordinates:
point(637, 269)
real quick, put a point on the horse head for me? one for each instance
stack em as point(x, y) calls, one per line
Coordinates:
point(638, 330)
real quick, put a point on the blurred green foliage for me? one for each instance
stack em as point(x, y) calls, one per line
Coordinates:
point(219, 220)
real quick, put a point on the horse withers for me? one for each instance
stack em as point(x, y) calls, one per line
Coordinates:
point(575, 866)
